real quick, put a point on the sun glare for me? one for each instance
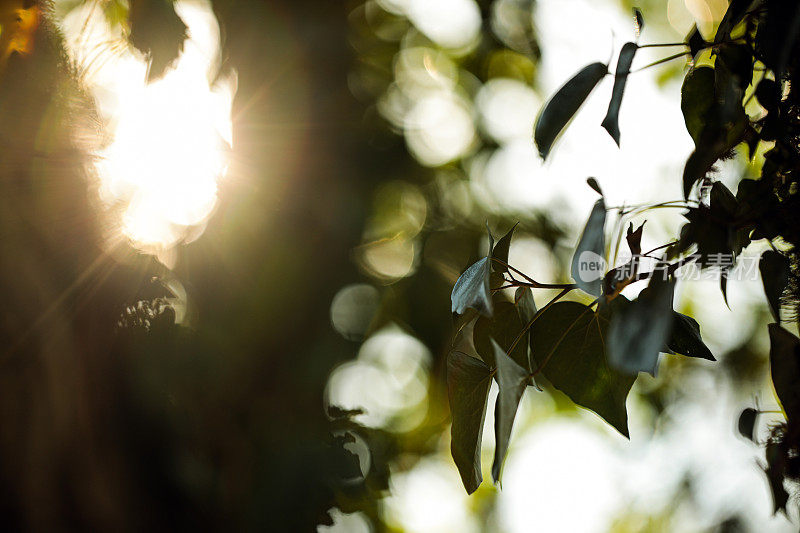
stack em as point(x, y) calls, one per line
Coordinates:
point(169, 140)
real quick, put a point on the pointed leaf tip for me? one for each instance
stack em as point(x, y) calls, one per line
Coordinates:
point(472, 289)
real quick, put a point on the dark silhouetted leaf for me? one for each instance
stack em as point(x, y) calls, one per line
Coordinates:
point(747, 423)
point(711, 101)
point(564, 104)
point(784, 360)
point(500, 250)
point(768, 95)
point(594, 185)
point(504, 328)
point(775, 471)
point(512, 380)
point(567, 343)
point(774, 269)
point(723, 203)
point(588, 263)
point(697, 97)
point(685, 338)
point(639, 332)
point(611, 122)
point(158, 32)
point(638, 20)
point(695, 41)
point(468, 381)
point(634, 238)
point(723, 287)
point(733, 16)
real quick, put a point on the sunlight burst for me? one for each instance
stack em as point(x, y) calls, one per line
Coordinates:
point(169, 140)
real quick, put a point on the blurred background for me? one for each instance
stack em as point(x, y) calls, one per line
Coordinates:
point(227, 260)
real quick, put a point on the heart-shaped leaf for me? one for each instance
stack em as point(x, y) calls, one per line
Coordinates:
point(568, 346)
point(564, 104)
point(468, 380)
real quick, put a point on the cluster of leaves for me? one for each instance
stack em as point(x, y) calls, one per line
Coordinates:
point(592, 353)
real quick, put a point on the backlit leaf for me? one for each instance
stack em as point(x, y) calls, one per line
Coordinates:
point(685, 338)
point(611, 121)
point(503, 327)
point(468, 380)
point(733, 16)
point(568, 345)
point(784, 360)
point(588, 263)
point(564, 104)
point(774, 269)
point(639, 332)
point(512, 380)
point(500, 250)
point(747, 423)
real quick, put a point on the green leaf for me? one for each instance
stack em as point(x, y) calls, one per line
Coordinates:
point(697, 97)
point(611, 121)
point(784, 360)
point(500, 250)
point(588, 262)
point(564, 104)
point(685, 338)
point(472, 289)
point(567, 342)
point(504, 328)
point(512, 380)
point(468, 380)
point(774, 268)
point(639, 332)
point(733, 16)
point(711, 101)
point(747, 423)
point(526, 307)
point(695, 42)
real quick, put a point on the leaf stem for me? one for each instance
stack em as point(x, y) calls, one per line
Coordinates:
point(664, 60)
point(530, 282)
point(659, 45)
